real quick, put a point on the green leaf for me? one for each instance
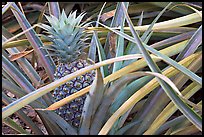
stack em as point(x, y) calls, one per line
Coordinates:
point(170, 124)
point(170, 109)
point(192, 44)
point(24, 64)
point(16, 75)
point(17, 91)
point(120, 44)
point(4, 74)
point(54, 124)
point(92, 49)
point(102, 56)
point(189, 130)
point(170, 61)
point(131, 47)
point(153, 107)
point(126, 127)
point(128, 91)
point(93, 45)
point(8, 121)
point(140, 21)
point(146, 33)
point(148, 37)
point(191, 115)
point(172, 40)
point(36, 43)
point(149, 113)
point(21, 102)
point(110, 94)
point(171, 25)
point(119, 51)
point(165, 58)
point(27, 120)
point(91, 104)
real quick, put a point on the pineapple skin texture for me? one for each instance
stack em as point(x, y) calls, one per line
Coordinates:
point(71, 112)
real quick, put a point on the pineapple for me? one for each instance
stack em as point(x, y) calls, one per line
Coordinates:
point(67, 37)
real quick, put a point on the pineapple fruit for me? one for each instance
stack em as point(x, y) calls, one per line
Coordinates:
point(67, 37)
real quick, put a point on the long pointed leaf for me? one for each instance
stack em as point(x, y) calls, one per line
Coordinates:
point(93, 45)
point(26, 66)
point(169, 24)
point(191, 115)
point(146, 33)
point(131, 47)
point(17, 76)
point(102, 55)
point(192, 44)
point(173, 39)
point(120, 43)
point(47, 62)
point(55, 124)
point(171, 108)
point(109, 96)
point(187, 112)
point(125, 128)
point(54, 9)
point(23, 116)
point(134, 98)
point(8, 121)
point(153, 106)
point(16, 105)
point(191, 75)
point(92, 102)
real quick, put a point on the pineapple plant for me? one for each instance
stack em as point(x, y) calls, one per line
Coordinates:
point(67, 37)
point(122, 102)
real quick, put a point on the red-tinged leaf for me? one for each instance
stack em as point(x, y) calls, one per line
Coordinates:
point(112, 42)
point(107, 15)
point(16, 56)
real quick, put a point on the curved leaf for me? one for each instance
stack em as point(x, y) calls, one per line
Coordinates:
point(191, 115)
point(134, 99)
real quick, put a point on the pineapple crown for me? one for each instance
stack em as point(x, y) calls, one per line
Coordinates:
point(67, 36)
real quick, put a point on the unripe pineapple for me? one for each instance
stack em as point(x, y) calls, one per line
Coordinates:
point(67, 36)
